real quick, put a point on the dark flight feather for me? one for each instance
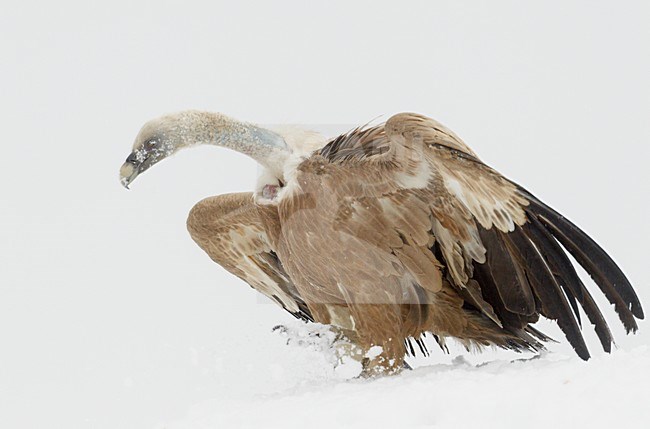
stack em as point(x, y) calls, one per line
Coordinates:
point(568, 279)
point(552, 301)
point(507, 275)
point(509, 320)
point(603, 270)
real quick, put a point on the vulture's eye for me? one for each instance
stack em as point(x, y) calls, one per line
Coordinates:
point(149, 145)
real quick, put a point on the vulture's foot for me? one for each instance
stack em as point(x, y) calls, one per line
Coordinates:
point(318, 337)
point(311, 335)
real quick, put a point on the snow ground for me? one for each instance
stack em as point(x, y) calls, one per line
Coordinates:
point(553, 390)
point(302, 389)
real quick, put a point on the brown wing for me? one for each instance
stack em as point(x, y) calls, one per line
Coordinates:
point(500, 245)
point(231, 229)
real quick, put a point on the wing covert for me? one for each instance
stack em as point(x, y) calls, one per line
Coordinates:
point(230, 229)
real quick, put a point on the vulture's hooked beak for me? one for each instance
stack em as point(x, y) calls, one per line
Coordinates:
point(130, 170)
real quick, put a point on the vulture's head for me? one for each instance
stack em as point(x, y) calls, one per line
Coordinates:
point(164, 136)
point(158, 139)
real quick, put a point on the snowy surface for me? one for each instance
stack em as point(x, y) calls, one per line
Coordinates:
point(111, 317)
point(466, 391)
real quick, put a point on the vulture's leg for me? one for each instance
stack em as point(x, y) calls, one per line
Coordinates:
point(380, 337)
point(232, 230)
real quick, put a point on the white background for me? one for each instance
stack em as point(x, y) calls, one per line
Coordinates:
point(111, 317)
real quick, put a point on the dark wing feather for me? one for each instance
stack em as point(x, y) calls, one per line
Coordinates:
point(568, 279)
point(600, 266)
point(507, 274)
point(472, 294)
point(553, 304)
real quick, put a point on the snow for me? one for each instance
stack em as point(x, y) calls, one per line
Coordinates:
point(301, 389)
point(373, 352)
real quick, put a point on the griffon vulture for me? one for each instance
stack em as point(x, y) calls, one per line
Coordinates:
point(390, 232)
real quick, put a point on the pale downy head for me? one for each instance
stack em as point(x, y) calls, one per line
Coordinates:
point(162, 137)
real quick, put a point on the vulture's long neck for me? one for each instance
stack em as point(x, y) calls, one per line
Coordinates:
point(264, 146)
